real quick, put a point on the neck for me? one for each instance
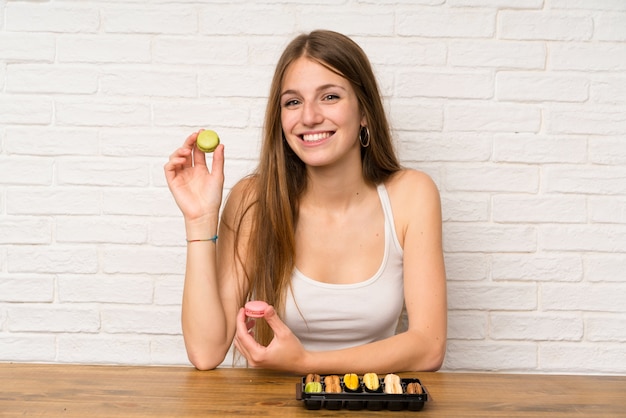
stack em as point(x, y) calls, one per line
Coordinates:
point(336, 191)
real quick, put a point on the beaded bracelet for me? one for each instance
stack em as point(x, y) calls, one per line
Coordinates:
point(213, 239)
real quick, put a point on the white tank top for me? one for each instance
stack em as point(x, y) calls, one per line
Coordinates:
point(334, 316)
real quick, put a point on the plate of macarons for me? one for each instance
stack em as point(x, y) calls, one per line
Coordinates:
point(354, 392)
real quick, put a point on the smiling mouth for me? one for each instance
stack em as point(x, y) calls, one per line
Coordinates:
point(316, 137)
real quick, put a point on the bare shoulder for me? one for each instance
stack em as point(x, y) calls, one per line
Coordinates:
point(410, 185)
point(414, 200)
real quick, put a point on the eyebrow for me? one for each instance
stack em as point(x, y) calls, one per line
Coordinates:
point(320, 88)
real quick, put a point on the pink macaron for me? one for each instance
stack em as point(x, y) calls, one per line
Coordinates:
point(255, 308)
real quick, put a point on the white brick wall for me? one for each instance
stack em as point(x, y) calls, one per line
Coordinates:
point(516, 108)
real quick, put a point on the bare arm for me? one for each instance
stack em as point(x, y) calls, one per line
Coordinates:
point(209, 300)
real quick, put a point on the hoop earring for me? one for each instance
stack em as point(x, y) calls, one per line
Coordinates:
point(364, 136)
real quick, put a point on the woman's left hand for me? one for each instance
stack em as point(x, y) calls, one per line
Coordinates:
point(285, 351)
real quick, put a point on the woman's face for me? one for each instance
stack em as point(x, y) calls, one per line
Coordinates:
point(320, 113)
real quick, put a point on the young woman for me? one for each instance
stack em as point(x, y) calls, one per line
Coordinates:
point(330, 230)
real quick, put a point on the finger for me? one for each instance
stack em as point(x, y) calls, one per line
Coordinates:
point(199, 157)
point(250, 323)
point(190, 141)
point(176, 161)
point(274, 321)
point(217, 165)
point(242, 331)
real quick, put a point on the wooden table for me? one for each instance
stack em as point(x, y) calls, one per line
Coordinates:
point(113, 391)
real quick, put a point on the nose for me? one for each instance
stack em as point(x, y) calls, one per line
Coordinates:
point(311, 114)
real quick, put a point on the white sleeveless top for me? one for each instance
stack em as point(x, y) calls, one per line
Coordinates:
point(334, 316)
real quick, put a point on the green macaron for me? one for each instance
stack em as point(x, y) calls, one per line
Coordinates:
point(207, 141)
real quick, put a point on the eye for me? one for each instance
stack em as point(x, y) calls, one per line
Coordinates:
point(291, 103)
point(330, 97)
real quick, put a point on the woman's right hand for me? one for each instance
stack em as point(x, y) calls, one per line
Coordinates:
point(196, 190)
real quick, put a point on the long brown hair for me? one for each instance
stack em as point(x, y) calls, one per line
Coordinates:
point(280, 177)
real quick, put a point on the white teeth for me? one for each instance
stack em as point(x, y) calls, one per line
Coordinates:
point(315, 137)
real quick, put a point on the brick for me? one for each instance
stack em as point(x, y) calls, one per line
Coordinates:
point(25, 230)
point(139, 260)
point(590, 56)
point(103, 349)
point(256, 20)
point(104, 229)
point(116, 49)
point(588, 4)
point(90, 112)
point(539, 149)
point(167, 350)
point(607, 150)
point(543, 25)
point(142, 141)
point(149, 83)
point(533, 267)
point(22, 110)
point(497, 178)
point(46, 318)
point(531, 87)
point(467, 326)
point(52, 259)
point(594, 180)
point(38, 78)
point(605, 267)
point(536, 326)
point(230, 112)
point(539, 209)
point(51, 140)
point(416, 117)
point(25, 171)
point(595, 297)
point(385, 51)
point(492, 296)
point(218, 81)
point(150, 202)
point(452, 23)
point(105, 289)
point(500, 4)
point(489, 238)
point(41, 17)
point(608, 89)
point(20, 47)
point(497, 54)
point(582, 358)
point(3, 71)
point(605, 328)
point(434, 146)
point(154, 20)
point(27, 347)
point(610, 121)
point(141, 321)
point(458, 207)
point(167, 232)
point(592, 237)
point(209, 51)
point(466, 267)
point(24, 289)
point(607, 209)
point(610, 27)
point(376, 21)
point(481, 117)
point(455, 85)
point(117, 173)
point(169, 290)
point(52, 201)
point(492, 356)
